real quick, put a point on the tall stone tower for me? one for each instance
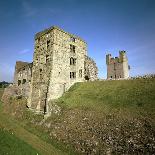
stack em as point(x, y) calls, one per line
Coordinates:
point(58, 62)
point(117, 67)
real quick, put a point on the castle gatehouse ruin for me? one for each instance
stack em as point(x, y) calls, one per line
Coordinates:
point(60, 60)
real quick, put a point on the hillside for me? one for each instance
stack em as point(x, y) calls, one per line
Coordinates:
point(137, 93)
point(14, 138)
point(101, 117)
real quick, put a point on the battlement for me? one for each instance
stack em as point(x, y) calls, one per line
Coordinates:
point(117, 67)
point(113, 60)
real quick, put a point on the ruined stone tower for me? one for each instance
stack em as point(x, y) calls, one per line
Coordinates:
point(117, 67)
point(60, 60)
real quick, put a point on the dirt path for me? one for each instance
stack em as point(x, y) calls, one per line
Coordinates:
point(40, 145)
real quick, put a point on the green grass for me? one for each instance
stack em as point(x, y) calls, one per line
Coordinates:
point(11, 145)
point(112, 94)
point(118, 102)
point(28, 142)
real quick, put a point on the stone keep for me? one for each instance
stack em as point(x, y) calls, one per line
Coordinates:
point(117, 67)
point(60, 60)
point(58, 63)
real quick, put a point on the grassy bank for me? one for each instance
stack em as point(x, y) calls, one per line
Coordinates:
point(11, 145)
point(101, 95)
point(101, 117)
point(18, 135)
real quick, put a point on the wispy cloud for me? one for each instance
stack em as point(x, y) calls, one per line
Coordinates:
point(24, 51)
point(28, 9)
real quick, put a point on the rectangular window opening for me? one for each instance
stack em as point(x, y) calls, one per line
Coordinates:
point(80, 73)
point(72, 48)
point(24, 81)
point(48, 43)
point(72, 75)
point(72, 61)
point(19, 82)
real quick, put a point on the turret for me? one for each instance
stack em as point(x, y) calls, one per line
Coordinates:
point(108, 57)
point(122, 56)
point(117, 67)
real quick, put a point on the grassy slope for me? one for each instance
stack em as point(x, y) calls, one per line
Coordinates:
point(23, 122)
point(99, 95)
point(22, 141)
point(95, 109)
point(11, 145)
point(31, 139)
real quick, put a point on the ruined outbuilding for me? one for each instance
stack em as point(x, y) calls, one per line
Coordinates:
point(60, 60)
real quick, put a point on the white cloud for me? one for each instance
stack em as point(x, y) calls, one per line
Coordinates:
point(24, 51)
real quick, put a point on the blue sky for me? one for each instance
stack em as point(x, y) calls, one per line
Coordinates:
point(106, 25)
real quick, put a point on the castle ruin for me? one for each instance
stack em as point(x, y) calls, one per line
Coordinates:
point(117, 68)
point(60, 60)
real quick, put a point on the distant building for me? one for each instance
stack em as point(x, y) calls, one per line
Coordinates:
point(117, 67)
point(60, 60)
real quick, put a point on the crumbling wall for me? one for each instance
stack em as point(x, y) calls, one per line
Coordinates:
point(11, 91)
point(42, 66)
point(23, 73)
point(22, 77)
point(91, 70)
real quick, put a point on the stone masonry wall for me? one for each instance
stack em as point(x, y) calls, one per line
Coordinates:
point(42, 66)
point(60, 80)
point(22, 77)
point(22, 71)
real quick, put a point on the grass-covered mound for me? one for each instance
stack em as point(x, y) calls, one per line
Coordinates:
point(137, 93)
point(110, 116)
point(101, 117)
